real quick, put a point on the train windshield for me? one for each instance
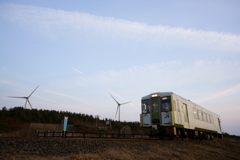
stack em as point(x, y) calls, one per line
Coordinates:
point(166, 104)
point(145, 106)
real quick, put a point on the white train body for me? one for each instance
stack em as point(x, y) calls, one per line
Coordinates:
point(165, 114)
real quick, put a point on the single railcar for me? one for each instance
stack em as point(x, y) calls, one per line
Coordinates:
point(165, 114)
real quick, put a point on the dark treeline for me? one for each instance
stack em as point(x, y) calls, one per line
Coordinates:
point(20, 115)
point(44, 116)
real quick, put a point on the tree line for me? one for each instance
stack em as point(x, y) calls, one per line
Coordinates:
point(22, 115)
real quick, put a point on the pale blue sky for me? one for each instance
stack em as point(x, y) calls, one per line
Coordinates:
point(80, 51)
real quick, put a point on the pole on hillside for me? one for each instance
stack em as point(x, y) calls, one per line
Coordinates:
point(65, 126)
point(97, 116)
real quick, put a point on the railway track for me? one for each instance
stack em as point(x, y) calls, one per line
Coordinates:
point(88, 139)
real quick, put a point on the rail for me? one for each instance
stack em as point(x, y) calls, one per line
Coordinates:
point(62, 134)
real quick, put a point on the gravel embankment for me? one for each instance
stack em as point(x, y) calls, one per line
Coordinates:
point(64, 147)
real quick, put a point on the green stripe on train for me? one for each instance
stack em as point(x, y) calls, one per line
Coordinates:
point(178, 125)
point(205, 130)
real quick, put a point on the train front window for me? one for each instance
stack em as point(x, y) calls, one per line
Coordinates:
point(166, 104)
point(145, 106)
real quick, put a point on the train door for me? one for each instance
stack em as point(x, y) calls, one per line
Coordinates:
point(175, 112)
point(185, 115)
point(146, 113)
point(219, 124)
point(179, 117)
point(155, 103)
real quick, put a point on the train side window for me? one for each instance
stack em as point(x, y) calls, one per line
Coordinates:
point(204, 116)
point(178, 108)
point(155, 107)
point(195, 114)
point(199, 115)
point(207, 120)
point(208, 116)
point(211, 118)
point(174, 103)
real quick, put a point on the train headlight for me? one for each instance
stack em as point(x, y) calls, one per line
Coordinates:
point(154, 95)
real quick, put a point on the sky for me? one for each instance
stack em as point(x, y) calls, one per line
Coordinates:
point(79, 52)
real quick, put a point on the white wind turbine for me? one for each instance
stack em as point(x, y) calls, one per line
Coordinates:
point(27, 98)
point(118, 107)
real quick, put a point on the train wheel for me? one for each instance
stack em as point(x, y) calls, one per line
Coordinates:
point(207, 137)
point(212, 137)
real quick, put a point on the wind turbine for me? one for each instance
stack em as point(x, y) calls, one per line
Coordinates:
point(118, 107)
point(27, 98)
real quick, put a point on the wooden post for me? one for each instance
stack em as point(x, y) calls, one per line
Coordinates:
point(45, 133)
point(37, 133)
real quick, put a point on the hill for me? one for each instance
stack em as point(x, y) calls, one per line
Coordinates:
point(18, 118)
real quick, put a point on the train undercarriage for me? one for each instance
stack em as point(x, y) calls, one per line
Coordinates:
point(172, 132)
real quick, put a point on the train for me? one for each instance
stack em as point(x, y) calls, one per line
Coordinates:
point(168, 115)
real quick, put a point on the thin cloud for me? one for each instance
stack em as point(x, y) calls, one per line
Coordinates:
point(227, 92)
point(67, 96)
point(47, 99)
point(77, 71)
point(161, 74)
point(84, 101)
point(52, 21)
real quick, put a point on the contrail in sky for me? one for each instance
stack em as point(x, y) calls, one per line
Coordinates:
point(67, 96)
point(77, 71)
point(47, 99)
point(227, 92)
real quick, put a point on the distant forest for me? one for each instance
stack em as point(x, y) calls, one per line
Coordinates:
point(11, 119)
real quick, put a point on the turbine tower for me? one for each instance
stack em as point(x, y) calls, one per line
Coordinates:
point(27, 98)
point(118, 107)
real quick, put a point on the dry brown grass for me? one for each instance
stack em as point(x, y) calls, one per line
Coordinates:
point(216, 149)
point(226, 148)
point(24, 131)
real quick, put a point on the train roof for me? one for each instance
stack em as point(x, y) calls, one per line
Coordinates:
point(159, 94)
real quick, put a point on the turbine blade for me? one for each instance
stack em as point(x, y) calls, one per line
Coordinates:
point(119, 114)
point(33, 91)
point(25, 103)
point(116, 112)
point(124, 103)
point(29, 104)
point(115, 99)
point(16, 97)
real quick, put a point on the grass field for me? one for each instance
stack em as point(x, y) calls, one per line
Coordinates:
point(217, 149)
